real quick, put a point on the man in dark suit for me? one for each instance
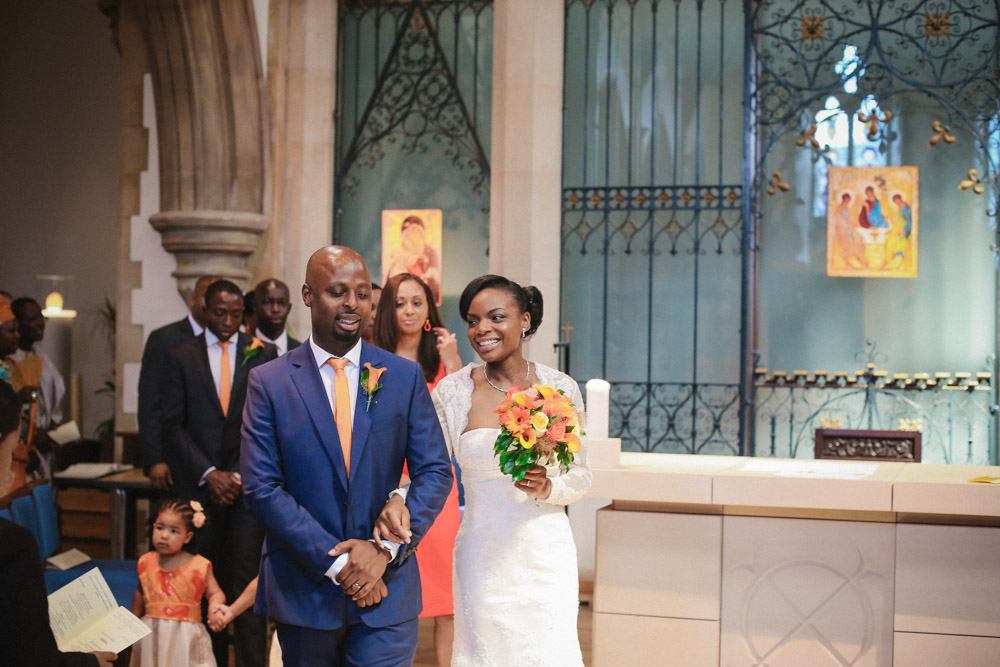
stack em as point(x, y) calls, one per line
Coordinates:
point(324, 444)
point(207, 385)
point(273, 303)
point(151, 377)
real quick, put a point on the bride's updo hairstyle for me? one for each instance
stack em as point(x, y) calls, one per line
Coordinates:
point(528, 299)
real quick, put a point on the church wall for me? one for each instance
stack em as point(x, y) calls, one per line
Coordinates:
point(59, 160)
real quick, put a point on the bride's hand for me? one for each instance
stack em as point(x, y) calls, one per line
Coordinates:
point(535, 483)
point(393, 523)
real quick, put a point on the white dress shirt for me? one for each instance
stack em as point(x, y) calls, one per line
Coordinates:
point(215, 357)
point(326, 373)
point(281, 342)
point(197, 328)
point(215, 365)
point(353, 372)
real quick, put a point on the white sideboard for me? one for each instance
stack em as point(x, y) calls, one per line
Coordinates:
point(701, 561)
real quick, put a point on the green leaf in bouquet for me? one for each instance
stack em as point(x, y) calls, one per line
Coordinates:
point(519, 473)
point(507, 467)
point(527, 457)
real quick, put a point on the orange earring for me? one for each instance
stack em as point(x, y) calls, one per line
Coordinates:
point(427, 325)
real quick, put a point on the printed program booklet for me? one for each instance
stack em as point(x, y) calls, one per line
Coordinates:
point(85, 617)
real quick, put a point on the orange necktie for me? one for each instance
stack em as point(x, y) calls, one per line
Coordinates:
point(342, 411)
point(224, 380)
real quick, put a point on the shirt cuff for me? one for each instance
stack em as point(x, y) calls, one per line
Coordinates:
point(401, 492)
point(342, 560)
point(201, 482)
point(338, 565)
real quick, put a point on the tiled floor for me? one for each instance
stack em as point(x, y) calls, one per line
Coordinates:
point(425, 647)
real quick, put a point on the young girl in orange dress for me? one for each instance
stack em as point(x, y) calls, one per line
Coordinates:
point(408, 323)
point(173, 582)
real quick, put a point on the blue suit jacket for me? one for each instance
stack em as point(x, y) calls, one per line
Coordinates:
point(295, 483)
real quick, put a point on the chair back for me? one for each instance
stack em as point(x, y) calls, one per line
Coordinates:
point(48, 519)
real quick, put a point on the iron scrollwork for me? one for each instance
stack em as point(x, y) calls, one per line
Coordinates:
point(416, 97)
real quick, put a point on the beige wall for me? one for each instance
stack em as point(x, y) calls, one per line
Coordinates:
point(59, 167)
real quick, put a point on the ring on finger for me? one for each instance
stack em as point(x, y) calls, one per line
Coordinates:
point(356, 585)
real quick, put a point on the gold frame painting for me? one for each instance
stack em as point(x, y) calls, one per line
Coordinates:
point(411, 243)
point(872, 222)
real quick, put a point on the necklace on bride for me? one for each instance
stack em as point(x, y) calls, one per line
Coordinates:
point(527, 374)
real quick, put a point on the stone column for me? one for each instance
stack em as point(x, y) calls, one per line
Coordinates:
point(213, 127)
point(134, 154)
point(526, 160)
point(302, 79)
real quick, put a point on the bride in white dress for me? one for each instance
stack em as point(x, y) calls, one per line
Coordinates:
point(515, 577)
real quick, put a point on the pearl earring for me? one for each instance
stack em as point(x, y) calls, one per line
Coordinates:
point(522, 332)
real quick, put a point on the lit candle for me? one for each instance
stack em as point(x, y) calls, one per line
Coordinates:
point(598, 405)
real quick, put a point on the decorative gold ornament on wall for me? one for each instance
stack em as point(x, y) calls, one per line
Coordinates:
point(940, 133)
point(873, 121)
point(972, 182)
point(937, 25)
point(812, 28)
point(808, 137)
point(777, 184)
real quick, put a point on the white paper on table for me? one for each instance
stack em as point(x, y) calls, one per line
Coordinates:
point(68, 432)
point(814, 469)
point(85, 617)
point(67, 559)
point(92, 470)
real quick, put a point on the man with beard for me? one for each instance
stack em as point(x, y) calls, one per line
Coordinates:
point(326, 431)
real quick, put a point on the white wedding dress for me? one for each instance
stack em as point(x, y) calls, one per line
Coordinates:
point(515, 576)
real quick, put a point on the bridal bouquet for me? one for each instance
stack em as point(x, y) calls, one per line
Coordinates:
point(539, 424)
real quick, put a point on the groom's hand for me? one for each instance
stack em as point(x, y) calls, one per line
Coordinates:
point(364, 568)
point(393, 523)
point(379, 593)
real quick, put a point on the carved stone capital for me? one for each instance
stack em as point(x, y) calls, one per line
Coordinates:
point(206, 242)
point(212, 126)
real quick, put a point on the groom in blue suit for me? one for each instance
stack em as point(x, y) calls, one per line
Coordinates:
point(321, 451)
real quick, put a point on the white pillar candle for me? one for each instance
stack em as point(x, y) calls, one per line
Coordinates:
point(598, 405)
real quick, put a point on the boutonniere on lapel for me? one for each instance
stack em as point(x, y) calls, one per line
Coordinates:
point(252, 350)
point(370, 377)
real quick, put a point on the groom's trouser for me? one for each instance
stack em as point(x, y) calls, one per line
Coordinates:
point(349, 646)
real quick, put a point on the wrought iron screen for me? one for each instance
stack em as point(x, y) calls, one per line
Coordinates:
point(875, 83)
point(651, 221)
point(679, 210)
point(414, 99)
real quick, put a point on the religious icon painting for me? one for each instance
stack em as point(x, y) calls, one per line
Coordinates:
point(872, 222)
point(411, 243)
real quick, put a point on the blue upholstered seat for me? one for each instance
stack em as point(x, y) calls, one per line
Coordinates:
point(39, 516)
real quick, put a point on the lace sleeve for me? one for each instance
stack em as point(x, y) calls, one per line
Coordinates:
point(573, 484)
point(441, 406)
point(452, 399)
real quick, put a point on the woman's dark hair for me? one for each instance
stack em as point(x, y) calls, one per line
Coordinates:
point(386, 334)
point(528, 299)
point(178, 506)
point(10, 410)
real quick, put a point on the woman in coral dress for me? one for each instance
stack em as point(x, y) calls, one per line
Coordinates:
point(407, 323)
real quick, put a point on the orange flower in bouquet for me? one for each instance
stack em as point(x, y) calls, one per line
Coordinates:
point(539, 424)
